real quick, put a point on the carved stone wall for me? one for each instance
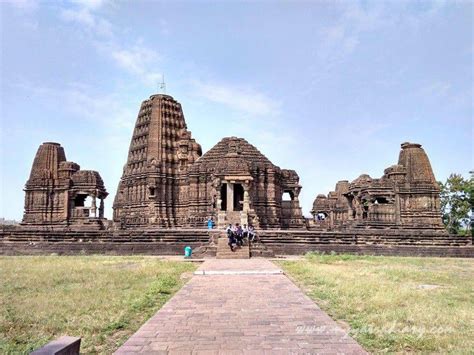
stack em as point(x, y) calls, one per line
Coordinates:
point(154, 183)
point(406, 196)
point(167, 183)
point(234, 165)
point(57, 190)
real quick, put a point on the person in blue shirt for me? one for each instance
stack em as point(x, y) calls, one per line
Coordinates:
point(210, 223)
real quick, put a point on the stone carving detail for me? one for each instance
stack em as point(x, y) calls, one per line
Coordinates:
point(406, 196)
point(231, 182)
point(168, 183)
point(59, 193)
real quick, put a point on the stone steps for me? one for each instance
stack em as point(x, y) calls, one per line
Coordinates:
point(259, 250)
point(224, 252)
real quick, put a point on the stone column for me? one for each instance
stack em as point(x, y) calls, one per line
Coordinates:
point(398, 219)
point(246, 205)
point(93, 208)
point(101, 208)
point(230, 197)
point(244, 218)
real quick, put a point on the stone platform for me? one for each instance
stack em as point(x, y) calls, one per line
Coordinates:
point(158, 241)
point(224, 309)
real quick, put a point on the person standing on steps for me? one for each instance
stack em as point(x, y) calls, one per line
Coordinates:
point(239, 235)
point(210, 223)
point(230, 236)
point(251, 233)
point(245, 232)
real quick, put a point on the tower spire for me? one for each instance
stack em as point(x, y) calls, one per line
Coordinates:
point(162, 85)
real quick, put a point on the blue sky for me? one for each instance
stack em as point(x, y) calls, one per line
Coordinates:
point(329, 89)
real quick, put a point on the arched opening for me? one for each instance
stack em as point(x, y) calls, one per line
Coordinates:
point(365, 210)
point(80, 200)
point(151, 191)
point(88, 201)
point(321, 216)
point(82, 205)
point(381, 200)
point(286, 196)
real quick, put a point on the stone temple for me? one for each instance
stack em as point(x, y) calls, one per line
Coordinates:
point(167, 182)
point(406, 196)
point(169, 189)
point(57, 190)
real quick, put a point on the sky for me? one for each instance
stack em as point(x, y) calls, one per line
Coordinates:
point(327, 88)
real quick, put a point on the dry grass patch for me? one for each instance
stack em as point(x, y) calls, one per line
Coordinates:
point(102, 299)
point(394, 304)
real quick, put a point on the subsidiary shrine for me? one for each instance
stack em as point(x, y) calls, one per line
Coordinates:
point(169, 189)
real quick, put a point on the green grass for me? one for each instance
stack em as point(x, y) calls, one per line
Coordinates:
point(102, 299)
point(394, 304)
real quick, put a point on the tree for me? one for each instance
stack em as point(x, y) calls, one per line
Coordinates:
point(457, 202)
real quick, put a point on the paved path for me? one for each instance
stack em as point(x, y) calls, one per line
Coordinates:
point(224, 309)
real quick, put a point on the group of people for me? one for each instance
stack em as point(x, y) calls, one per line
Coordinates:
point(236, 234)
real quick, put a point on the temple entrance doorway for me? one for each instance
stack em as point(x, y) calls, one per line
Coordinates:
point(233, 209)
point(238, 197)
point(223, 205)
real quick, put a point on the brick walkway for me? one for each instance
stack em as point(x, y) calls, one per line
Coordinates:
point(238, 313)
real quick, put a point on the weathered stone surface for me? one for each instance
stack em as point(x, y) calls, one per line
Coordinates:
point(406, 196)
point(57, 190)
point(169, 189)
point(65, 345)
point(167, 183)
point(33, 241)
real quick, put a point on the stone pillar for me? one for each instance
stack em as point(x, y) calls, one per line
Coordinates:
point(244, 217)
point(93, 208)
point(101, 208)
point(230, 197)
point(67, 205)
point(246, 205)
point(398, 220)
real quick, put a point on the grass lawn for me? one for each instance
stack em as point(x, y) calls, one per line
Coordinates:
point(394, 304)
point(103, 299)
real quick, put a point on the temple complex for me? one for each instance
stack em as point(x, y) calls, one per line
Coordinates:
point(167, 182)
point(169, 189)
point(406, 196)
point(59, 194)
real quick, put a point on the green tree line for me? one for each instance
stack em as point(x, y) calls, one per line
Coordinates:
point(457, 203)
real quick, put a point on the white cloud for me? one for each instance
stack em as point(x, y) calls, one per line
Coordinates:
point(341, 38)
point(242, 99)
point(24, 5)
point(90, 4)
point(83, 16)
point(455, 100)
point(80, 102)
point(137, 59)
